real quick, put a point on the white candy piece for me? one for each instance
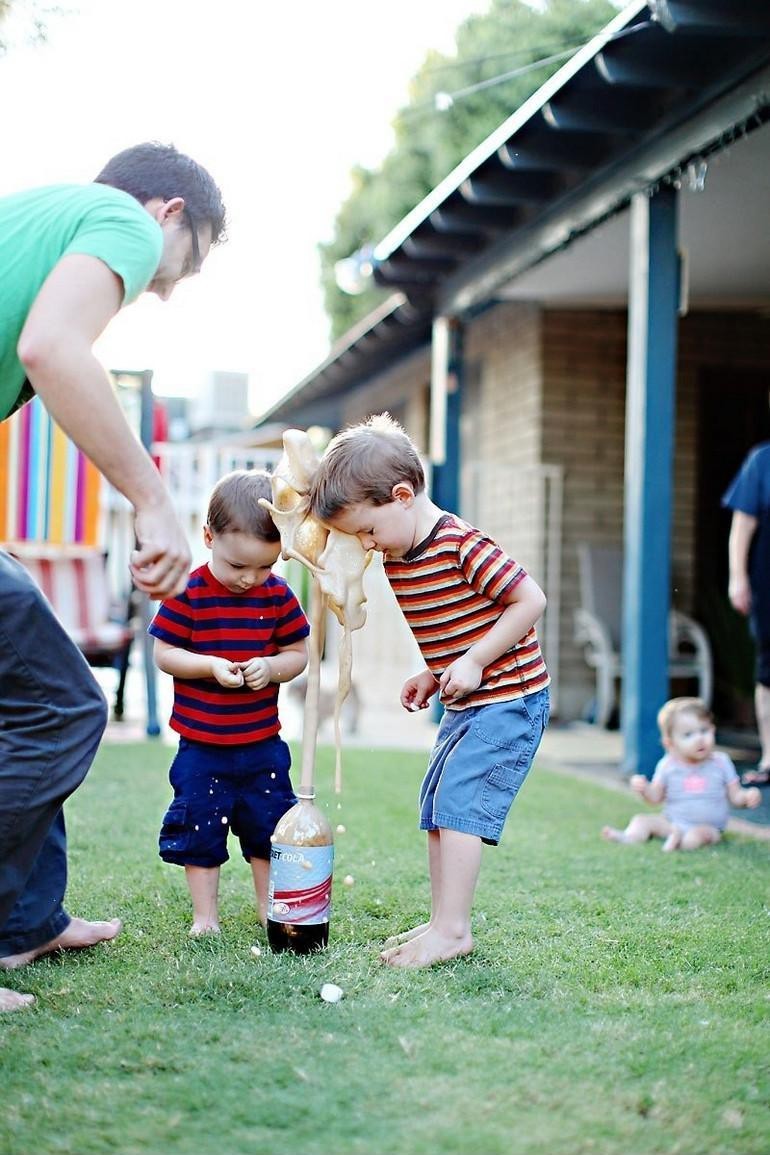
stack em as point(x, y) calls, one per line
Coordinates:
point(348, 880)
point(340, 829)
point(331, 993)
point(256, 951)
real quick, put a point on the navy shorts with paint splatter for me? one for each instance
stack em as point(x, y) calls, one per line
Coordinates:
point(218, 789)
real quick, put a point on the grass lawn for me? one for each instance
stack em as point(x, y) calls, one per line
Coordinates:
point(617, 1001)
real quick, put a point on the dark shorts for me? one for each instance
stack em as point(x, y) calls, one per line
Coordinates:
point(479, 762)
point(218, 789)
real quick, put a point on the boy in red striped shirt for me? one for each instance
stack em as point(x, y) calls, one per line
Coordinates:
point(472, 611)
point(235, 633)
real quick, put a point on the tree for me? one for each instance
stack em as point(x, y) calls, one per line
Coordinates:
point(429, 142)
point(35, 14)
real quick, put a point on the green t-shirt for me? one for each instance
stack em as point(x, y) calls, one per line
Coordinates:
point(40, 226)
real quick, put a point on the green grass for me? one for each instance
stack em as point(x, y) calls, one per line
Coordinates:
point(616, 1001)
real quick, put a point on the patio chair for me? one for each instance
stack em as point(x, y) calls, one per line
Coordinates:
point(598, 628)
point(74, 580)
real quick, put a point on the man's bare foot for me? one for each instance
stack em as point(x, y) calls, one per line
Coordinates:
point(13, 1001)
point(405, 936)
point(427, 949)
point(612, 834)
point(79, 935)
point(199, 928)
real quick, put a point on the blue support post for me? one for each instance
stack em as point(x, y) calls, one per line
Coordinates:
point(445, 485)
point(446, 407)
point(650, 413)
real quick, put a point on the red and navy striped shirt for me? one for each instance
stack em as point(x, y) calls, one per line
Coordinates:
point(450, 589)
point(209, 619)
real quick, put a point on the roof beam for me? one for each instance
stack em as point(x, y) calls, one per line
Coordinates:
point(670, 65)
point(595, 112)
point(431, 244)
point(713, 17)
point(508, 188)
point(555, 151)
point(579, 210)
point(457, 216)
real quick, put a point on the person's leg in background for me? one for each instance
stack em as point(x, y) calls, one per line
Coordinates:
point(761, 776)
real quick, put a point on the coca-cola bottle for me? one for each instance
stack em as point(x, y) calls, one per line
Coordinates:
point(300, 888)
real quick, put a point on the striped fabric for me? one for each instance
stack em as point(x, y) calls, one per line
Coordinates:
point(209, 619)
point(74, 580)
point(450, 590)
point(49, 491)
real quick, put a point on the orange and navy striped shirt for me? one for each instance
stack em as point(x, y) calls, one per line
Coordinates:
point(450, 589)
point(210, 619)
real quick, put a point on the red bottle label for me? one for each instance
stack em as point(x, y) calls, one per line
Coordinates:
point(300, 890)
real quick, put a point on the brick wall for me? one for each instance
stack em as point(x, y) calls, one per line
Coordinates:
point(547, 387)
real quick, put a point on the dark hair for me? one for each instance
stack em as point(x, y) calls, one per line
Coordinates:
point(234, 505)
point(159, 170)
point(362, 464)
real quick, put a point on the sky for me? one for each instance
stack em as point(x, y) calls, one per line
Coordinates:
point(278, 99)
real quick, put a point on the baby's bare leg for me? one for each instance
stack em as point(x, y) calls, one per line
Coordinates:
point(698, 836)
point(641, 828)
point(260, 871)
point(448, 934)
point(203, 882)
point(434, 866)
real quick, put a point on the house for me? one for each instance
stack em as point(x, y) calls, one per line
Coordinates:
point(579, 332)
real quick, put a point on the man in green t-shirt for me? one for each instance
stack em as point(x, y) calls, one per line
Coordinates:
point(72, 256)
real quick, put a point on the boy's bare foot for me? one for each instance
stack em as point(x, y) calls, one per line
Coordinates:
point(612, 834)
point(13, 1001)
point(405, 936)
point(199, 928)
point(427, 949)
point(674, 841)
point(79, 935)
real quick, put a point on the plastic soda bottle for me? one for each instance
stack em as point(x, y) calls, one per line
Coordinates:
point(300, 887)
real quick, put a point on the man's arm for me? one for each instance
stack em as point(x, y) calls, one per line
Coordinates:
point(742, 529)
point(71, 310)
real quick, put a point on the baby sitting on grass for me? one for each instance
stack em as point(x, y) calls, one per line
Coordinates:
point(696, 783)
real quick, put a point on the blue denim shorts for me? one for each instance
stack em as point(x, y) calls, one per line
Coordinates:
point(478, 764)
point(218, 789)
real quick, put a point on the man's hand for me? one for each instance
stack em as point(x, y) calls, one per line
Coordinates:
point(160, 565)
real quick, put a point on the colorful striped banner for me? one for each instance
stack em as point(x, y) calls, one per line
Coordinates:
point(49, 491)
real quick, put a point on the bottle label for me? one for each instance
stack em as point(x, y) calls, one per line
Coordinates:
point(300, 890)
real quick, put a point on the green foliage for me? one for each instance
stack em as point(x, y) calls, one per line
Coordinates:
point(614, 1003)
point(429, 143)
point(34, 19)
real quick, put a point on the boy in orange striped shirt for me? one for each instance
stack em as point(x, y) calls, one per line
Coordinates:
point(472, 611)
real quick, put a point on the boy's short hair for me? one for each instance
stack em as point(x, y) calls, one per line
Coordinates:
point(363, 464)
point(675, 707)
point(234, 505)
